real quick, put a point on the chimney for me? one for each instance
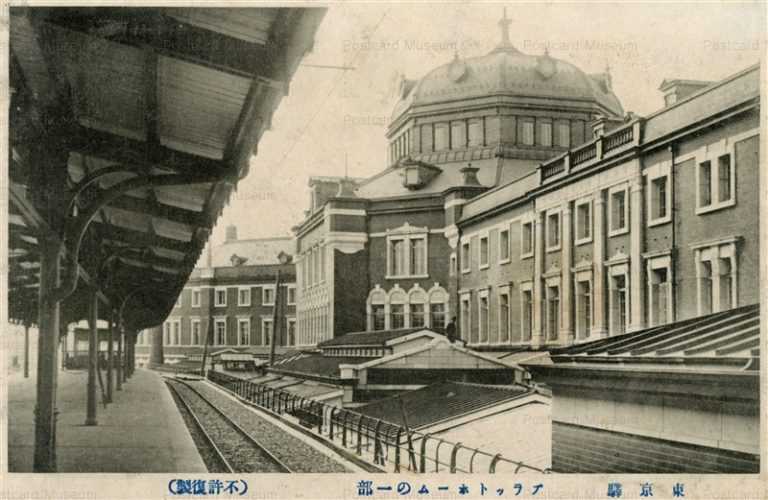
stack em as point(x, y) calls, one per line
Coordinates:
point(231, 234)
point(675, 90)
point(470, 175)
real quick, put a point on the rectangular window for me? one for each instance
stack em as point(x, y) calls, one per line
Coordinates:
point(726, 279)
point(545, 134)
point(483, 317)
point(705, 286)
point(220, 297)
point(243, 296)
point(659, 198)
point(437, 317)
point(441, 137)
point(553, 312)
point(266, 331)
point(321, 263)
point(527, 132)
point(465, 319)
point(196, 332)
point(417, 315)
point(553, 231)
point(243, 332)
point(504, 245)
point(196, 297)
point(418, 256)
point(475, 132)
point(526, 239)
point(564, 135)
point(220, 331)
point(504, 317)
point(177, 332)
point(396, 316)
point(458, 135)
point(484, 258)
point(377, 312)
point(619, 312)
point(618, 212)
point(583, 309)
point(527, 314)
point(465, 257)
point(397, 256)
point(291, 295)
point(705, 183)
point(724, 178)
point(290, 328)
point(267, 296)
point(660, 290)
point(583, 222)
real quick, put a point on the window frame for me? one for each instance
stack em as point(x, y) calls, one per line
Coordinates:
point(714, 252)
point(653, 263)
point(526, 288)
point(241, 321)
point(624, 187)
point(466, 250)
point(240, 290)
point(502, 260)
point(264, 290)
point(662, 170)
point(288, 290)
point(196, 292)
point(487, 237)
point(549, 214)
point(216, 291)
point(616, 270)
point(578, 222)
point(216, 323)
point(483, 294)
point(713, 155)
point(192, 323)
point(583, 276)
point(407, 239)
point(504, 291)
point(532, 223)
point(264, 337)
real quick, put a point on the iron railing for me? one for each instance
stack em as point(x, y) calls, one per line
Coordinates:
point(382, 443)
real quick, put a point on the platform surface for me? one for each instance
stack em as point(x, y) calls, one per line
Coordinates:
point(141, 431)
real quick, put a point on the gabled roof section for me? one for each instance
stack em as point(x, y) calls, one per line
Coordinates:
point(443, 401)
point(378, 338)
point(728, 340)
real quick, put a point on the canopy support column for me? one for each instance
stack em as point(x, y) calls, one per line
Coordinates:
point(93, 352)
point(26, 350)
point(156, 355)
point(120, 357)
point(48, 342)
point(110, 356)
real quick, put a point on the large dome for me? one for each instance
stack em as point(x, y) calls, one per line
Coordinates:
point(507, 71)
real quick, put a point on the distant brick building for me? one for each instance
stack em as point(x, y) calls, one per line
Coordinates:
point(230, 296)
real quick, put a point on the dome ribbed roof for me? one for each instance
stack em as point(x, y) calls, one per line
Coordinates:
point(507, 71)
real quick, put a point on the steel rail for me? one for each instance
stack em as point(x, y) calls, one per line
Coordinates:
point(239, 429)
point(219, 454)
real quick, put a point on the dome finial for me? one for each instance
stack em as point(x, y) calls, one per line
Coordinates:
point(504, 25)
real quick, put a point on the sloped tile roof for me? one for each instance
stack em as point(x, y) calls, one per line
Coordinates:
point(317, 364)
point(377, 338)
point(438, 402)
point(727, 338)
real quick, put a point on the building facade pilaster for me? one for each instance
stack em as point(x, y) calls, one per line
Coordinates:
point(566, 255)
point(599, 329)
point(636, 279)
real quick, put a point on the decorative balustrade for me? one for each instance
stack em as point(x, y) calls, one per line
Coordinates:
point(618, 139)
point(553, 168)
point(383, 443)
point(584, 154)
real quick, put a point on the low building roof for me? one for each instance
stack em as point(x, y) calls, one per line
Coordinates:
point(318, 365)
point(438, 402)
point(377, 338)
point(715, 342)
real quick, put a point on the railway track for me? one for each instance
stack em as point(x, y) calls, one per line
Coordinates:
point(229, 447)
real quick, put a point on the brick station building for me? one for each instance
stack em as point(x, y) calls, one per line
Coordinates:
point(230, 296)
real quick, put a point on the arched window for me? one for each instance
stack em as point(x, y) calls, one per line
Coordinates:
point(438, 308)
point(397, 302)
point(417, 308)
point(376, 314)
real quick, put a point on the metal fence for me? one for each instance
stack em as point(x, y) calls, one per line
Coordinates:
point(382, 443)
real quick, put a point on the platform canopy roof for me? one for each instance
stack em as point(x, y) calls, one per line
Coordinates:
point(129, 130)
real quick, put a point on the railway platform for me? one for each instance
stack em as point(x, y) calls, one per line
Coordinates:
point(142, 431)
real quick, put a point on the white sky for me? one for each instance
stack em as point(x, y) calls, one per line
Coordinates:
point(330, 113)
